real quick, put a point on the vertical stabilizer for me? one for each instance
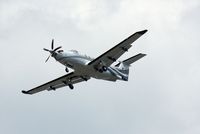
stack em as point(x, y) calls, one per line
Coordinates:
point(123, 67)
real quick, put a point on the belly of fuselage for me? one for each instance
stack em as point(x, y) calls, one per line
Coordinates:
point(80, 66)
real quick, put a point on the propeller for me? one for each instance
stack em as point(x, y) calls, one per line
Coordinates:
point(52, 51)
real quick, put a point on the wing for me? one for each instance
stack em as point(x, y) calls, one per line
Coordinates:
point(71, 78)
point(114, 53)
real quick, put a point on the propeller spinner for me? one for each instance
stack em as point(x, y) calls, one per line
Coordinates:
point(52, 51)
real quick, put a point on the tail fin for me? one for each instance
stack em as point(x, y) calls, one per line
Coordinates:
point(123, 66)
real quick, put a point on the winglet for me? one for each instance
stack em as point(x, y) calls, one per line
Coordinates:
point(25, 92)
point(142, 32)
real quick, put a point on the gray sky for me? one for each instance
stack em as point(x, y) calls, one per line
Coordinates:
point(162, 95)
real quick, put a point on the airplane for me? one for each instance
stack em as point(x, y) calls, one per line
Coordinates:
point(86, 67)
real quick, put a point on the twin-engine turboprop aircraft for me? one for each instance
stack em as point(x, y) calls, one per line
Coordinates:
point(85, 67)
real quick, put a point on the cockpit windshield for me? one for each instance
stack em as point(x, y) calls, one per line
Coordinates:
point(60, 51)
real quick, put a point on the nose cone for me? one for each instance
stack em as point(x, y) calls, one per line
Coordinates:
point(57, 55)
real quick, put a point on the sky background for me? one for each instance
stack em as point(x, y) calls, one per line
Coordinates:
point(163, 92)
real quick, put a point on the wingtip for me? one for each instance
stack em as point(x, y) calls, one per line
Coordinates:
point(144, 54)
point(143, 31)
point(25, 92)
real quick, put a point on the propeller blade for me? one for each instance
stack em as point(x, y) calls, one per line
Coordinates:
point(52, 44)
point(57, 48)
point(48, 58)
point(46, 49)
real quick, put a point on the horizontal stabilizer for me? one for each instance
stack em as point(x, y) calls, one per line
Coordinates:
point(130, 60)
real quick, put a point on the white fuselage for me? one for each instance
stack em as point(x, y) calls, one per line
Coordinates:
point(79, 63)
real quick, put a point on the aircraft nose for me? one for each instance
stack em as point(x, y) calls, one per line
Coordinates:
point(57, 56)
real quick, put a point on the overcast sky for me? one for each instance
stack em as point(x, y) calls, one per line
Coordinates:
point(162, 95)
